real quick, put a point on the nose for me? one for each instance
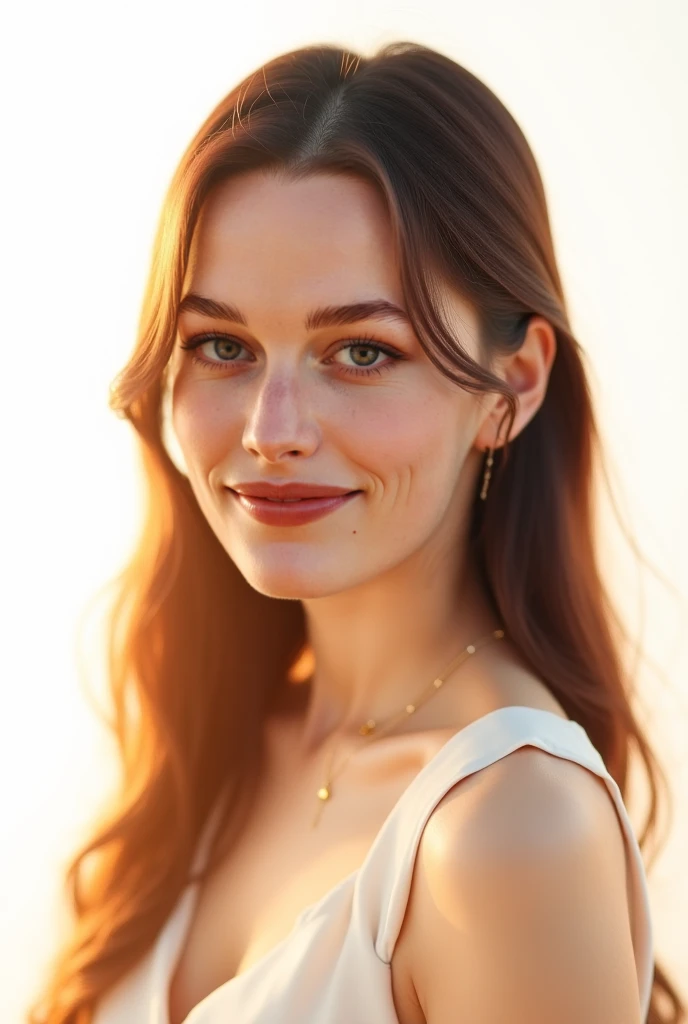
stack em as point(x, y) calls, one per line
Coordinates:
point(278, 422)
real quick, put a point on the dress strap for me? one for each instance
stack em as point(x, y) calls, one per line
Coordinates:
point(481, 743)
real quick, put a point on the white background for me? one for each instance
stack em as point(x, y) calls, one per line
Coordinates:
point(98, 104)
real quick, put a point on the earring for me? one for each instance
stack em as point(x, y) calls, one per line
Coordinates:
point(487, 474)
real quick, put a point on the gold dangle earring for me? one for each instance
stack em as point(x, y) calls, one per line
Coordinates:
point(487, 474)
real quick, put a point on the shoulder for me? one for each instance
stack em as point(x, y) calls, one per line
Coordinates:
point(520, 899)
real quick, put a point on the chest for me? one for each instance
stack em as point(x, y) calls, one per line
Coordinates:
point(280, 866)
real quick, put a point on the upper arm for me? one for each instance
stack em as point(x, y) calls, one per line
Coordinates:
point(520, 903)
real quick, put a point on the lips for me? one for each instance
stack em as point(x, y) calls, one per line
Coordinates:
point(286, 491)
point(289, 509)
point(280, 499)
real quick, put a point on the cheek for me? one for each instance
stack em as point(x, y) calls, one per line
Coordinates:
point(203, 426)
point(411, 443)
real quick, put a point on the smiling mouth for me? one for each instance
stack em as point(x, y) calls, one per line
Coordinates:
point(284, 511)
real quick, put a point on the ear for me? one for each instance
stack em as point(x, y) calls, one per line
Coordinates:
point(527, 372)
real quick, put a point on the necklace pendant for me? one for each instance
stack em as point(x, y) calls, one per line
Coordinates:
point(323, 797)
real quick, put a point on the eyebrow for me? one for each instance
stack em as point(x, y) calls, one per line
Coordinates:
point(323, 316)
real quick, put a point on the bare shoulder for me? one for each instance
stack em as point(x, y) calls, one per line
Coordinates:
point(520, 899)
point(530, 800)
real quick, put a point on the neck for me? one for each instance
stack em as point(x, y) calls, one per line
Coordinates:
point(377, 647)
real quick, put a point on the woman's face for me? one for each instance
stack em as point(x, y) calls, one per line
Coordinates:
point(286, 393)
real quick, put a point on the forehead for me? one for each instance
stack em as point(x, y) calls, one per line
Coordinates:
point(260, 231)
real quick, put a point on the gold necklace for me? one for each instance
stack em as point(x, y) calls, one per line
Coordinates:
point(370, 726)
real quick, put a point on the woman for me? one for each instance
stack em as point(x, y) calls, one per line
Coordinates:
point(373, 720)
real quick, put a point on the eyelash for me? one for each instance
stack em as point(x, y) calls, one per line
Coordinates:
point(362, 341)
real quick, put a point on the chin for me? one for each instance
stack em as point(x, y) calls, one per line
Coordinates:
point(291, 588)
point(292, 578)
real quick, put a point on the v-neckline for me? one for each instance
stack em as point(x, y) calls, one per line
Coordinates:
point(189, 896)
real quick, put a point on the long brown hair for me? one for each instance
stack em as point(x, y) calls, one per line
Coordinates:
point(195, 655)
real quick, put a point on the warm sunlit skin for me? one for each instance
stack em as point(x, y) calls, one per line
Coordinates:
point(385, 580)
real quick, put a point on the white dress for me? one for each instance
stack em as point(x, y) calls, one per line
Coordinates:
point(334, 965)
